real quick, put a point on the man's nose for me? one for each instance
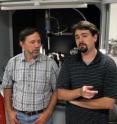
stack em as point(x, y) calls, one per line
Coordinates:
point(80, 39)
point(37, 44)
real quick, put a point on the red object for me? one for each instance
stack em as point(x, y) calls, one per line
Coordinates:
point(2, 111)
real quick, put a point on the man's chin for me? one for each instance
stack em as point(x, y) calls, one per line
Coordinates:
point(83, 50)
point(35, 55)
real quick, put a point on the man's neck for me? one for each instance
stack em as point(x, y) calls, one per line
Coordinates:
point(28, 57)
point(89, 56)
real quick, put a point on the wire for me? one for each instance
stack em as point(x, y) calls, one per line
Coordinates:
point(60, 32)
point(58, 25)
point(80, 13)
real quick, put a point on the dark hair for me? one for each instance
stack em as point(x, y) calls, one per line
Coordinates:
point(26, 32)
point(85, 25)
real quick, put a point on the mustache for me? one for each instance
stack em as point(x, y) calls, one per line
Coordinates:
point(83, 47)
point(82, 44)
point(36, 50)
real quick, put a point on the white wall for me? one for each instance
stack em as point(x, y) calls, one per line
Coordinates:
point(113, 22)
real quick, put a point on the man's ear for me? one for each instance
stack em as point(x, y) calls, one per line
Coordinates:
point(21, 44)
point(95, 37)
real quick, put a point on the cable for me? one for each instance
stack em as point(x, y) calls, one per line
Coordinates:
point(80, 13)
point(59, 32)
point(58, 25)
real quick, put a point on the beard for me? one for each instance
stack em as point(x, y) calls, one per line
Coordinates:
point(83, 48)
point(35, 53)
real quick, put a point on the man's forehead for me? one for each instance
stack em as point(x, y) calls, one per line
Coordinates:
point(78, 31)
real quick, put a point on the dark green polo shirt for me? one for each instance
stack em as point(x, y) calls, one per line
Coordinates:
point(100, 73)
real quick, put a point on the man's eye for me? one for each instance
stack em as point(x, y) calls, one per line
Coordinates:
point(76, 37)
point(84, 35)
point(32, 42)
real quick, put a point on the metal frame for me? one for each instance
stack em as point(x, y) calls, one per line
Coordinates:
point(109, 1)
point(105, 20)
point(40, 4)
point(105, 16)
point(44, 4)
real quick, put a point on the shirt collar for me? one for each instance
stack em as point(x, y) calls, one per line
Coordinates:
point(96, 59)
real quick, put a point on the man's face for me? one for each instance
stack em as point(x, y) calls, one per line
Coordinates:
point(32, 45)
point(85, 40)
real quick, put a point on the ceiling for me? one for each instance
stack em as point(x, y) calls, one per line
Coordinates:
point(44, 4)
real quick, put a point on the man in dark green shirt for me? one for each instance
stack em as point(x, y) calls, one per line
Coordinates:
point(87, 80)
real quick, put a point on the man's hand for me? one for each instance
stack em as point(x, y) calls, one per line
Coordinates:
point(12, 117)
point(43, 117)
point(84, 91)
point(88, 92)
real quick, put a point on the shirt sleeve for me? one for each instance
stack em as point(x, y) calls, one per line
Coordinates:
point(64, 76)
point(7, 81)
point(110, 79)
point(54, 74)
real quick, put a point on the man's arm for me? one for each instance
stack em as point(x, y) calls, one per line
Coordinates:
point(52, 103)
point(85, 92)
point(8, 99)
point(9, 107)
point(99, 103)
point(65, 94)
